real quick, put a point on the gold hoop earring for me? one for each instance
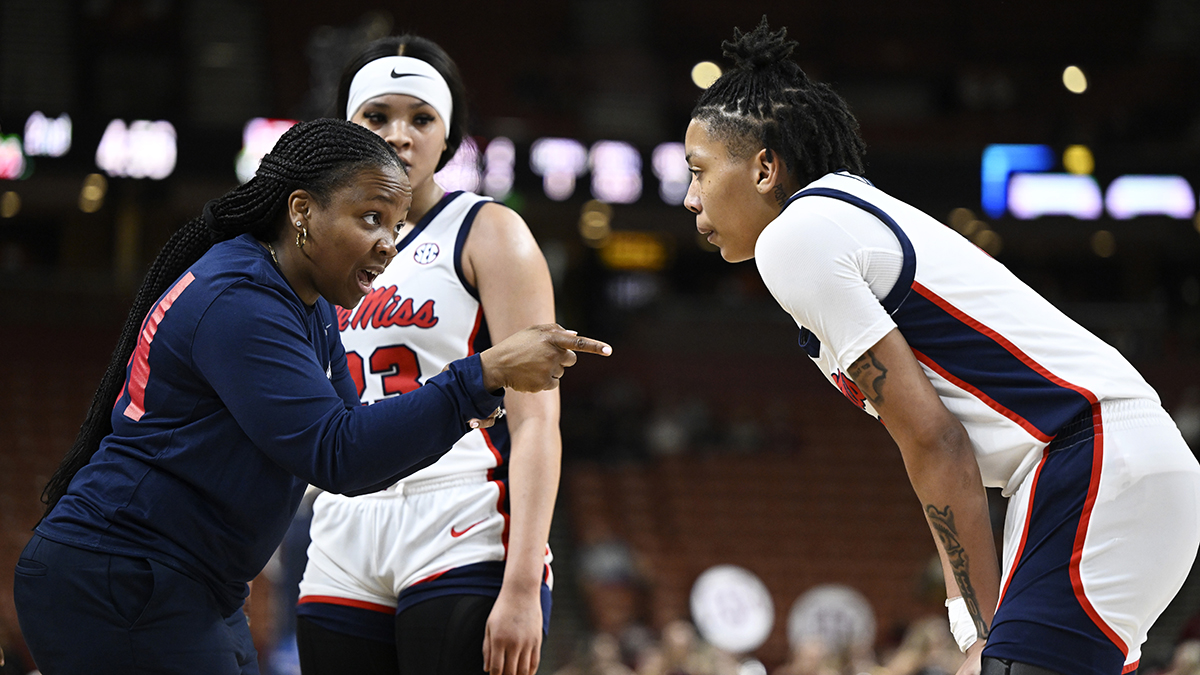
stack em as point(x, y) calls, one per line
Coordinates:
point(301, 236)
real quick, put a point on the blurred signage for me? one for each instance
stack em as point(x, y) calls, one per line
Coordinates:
point(732, 608)
point(462, 171)
point(12, 159)
point(1130, 196)
point(499, 167)
point(1016, 179)
point(1000, 162)
point(670, 167)
point(559, 161)
point(47, 136)
point(834, 615)
point(1031, 195)
point(616, 172)
point(258, 137)
point(143, 149)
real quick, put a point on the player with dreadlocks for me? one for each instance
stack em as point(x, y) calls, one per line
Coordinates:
point(227, 394)
point(979, 380)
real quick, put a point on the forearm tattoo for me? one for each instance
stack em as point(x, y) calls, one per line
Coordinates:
point(943, 523)
point(869, 374)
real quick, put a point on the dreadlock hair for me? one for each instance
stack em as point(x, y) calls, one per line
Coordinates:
point(767, 101)
point(320, 157)
point(428, 51)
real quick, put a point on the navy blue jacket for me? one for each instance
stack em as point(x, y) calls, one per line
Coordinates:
point(237, 396)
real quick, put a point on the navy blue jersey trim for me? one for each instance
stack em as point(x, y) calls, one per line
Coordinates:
point(461, 242)
point(428, 218)
point(981, 362)
point(908, 271)
point(810, 343)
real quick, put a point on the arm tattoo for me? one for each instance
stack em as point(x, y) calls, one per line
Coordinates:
point(868, 373)
point(943, 522)
point(780, 195)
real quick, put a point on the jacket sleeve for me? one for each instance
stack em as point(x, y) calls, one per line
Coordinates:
point(252, 347)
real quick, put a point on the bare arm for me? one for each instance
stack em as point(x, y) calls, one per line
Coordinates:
point(504, 262)
point(941, 465)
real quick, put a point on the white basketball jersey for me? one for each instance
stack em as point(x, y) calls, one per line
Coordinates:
point(421, 315)
point(1006, 362)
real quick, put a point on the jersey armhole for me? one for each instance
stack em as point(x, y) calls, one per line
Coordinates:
point(903, 286)
point(460, 243)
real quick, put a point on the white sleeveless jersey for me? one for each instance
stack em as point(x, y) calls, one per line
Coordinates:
point(1008, 364)
point(421, 315)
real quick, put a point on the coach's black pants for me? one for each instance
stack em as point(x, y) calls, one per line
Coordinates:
point(89, 613)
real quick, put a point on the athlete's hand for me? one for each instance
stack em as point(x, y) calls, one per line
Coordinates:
point(512, 640)
point(974, 655)
point(533, 359)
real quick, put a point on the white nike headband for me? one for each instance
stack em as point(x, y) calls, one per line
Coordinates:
point(401, 75)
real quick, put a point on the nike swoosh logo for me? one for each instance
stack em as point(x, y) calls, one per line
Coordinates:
point(400, 75)
point(458, 533)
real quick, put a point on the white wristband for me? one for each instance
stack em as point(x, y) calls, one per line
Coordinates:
point(962, 626)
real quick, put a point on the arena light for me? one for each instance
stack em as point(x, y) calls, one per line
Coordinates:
point(559, 161)
point(46, 136)
point(10, 204)
point(1136, 195)
point(595, 223)
point(1104, 244)
point(91, 195)
point(462, 171)
point(1078, 159)
point(999, 162)
point(1032, 195)
point(1074, 80)
point(705, 73)
point(12, 159)
point(616, 172)
point(499, 167)
point(144, 149)
point(670, 167)
point(258, 137)
point(634, 251)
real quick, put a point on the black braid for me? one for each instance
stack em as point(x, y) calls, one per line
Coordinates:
point(767, 101)
point(320, 157)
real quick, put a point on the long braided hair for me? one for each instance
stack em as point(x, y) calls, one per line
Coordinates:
point(767, 101)
point(428, 51)
point(320, 157)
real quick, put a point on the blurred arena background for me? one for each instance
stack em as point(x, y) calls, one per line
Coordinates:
point(1061, 136)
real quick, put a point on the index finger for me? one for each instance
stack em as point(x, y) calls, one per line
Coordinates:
point(578, 343)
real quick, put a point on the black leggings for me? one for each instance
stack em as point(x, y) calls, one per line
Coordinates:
point(993, 666)
point(441, 636)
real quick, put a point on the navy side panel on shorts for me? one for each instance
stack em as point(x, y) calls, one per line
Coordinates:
point(482, 578)
point(374, 623)
point(1041, 620)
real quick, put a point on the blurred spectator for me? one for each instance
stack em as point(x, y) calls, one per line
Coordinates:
point(677, 424)
point(927, 649)
point(682, 652)
point(603, 657)
point(808, 657)
point(744, 431)
point(612, 583)
point(1187, 659)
